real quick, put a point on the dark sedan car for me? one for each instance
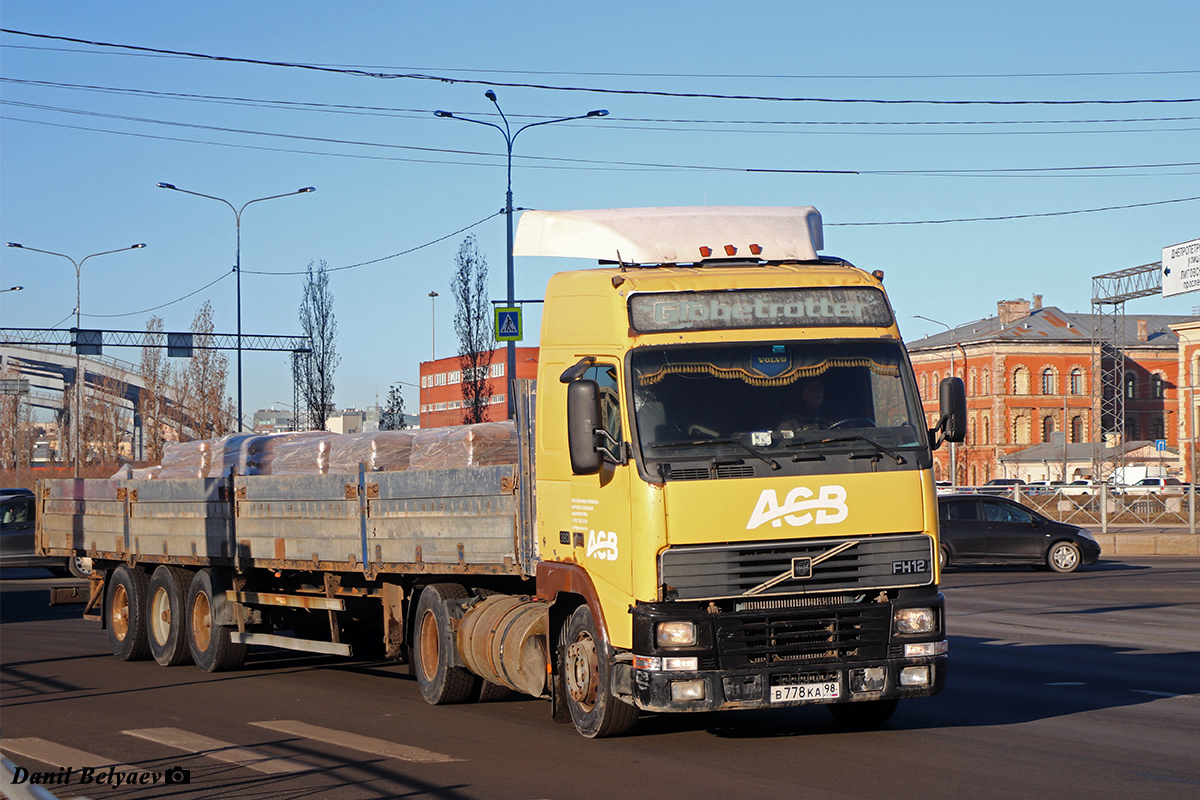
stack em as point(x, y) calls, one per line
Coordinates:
point(994, 530)
point(17, 526)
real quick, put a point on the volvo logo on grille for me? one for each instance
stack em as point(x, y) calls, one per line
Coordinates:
point(802, 568)
point(910, 567)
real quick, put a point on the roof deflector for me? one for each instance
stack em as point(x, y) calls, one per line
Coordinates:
point(671, 235)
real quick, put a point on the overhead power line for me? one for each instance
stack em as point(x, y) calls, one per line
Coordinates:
point(714, 75)
point(595, 163)
point(1010, 216)
point(393, 255)
point(623, 122)
point(419, 76)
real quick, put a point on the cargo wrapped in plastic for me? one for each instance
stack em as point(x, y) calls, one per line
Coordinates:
point(300, 455)
point(480, 445)
point(324, 453)
point(187, 459)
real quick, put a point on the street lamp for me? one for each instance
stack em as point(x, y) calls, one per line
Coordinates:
point(78, 362)
point(510, 136)
point(12, 289)
point(433, 326)
point(954, 373)
point(237, 216)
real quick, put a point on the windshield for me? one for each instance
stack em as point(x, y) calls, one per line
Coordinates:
point(782, 399)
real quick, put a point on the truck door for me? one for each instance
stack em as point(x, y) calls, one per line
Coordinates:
point(600, 519)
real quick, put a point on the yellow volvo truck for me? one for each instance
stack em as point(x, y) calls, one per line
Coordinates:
point(723, 499)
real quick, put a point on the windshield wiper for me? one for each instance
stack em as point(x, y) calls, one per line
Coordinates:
point(772, 463)
point(855, 438)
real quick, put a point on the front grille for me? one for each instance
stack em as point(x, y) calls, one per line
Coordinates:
point(694, 474)
point(695, 572)
point(704, 473)
point(843, 633)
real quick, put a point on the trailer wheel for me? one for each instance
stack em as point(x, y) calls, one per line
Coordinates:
point(166, 622)
point(441, 682)
point(127, 590)
point(867, 714)
point(209, 643)
point(594, 710)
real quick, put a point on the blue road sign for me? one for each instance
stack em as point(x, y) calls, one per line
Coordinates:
point(508, 325)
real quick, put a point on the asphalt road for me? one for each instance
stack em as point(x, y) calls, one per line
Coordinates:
point(1085, 685)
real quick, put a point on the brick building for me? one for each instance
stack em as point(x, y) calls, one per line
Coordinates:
point(1188, 405)
point(1028, 373)
point(441, 387)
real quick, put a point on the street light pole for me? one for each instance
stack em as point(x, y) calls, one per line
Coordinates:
point(510, 136)
point(237, 268)
point(953, 373)
point(433, 326)
point(75, 416)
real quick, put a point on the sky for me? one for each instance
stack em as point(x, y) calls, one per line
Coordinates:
point(963, 148)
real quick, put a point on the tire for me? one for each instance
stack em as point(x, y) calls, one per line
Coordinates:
point(124, 609)
point(867, 714)
point(166, 622)
point(595, 712)
point(441, 682)
point(1063, 557)
point(209, 644)
point(78, 567)
point(943, 558)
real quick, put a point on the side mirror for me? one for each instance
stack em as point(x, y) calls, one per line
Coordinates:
point(583, 418)
point(952, 426)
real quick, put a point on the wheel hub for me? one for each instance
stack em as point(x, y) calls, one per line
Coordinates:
point(583, 671)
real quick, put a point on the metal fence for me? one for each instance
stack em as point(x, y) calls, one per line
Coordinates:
point(1102, 506)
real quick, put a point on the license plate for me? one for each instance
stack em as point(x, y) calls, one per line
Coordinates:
point(828, 690)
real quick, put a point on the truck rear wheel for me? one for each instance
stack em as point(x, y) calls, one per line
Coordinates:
point(594, 710)
point(127, 590)
point(209, 642)
point(441, 682)
point(166, 622)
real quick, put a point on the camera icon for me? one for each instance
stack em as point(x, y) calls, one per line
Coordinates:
point(177, 776)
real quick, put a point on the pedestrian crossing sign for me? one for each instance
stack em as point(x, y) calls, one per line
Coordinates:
point(508, 325)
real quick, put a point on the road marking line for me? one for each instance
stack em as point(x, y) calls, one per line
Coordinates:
point(58, 755)
point(220, 751)
point(354, 741)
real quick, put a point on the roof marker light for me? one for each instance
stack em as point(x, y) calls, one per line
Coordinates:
point(705, 251)
point(730, 250)
point(756, 249)
point(878, 275)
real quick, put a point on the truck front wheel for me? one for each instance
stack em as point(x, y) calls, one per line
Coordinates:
point(127, 590)
point(441, 682)
point(594, 710)
point(208, 641)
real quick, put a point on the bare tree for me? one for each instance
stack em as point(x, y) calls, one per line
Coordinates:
point(152, 400)
point(313, 372)
point(16, 444)
point(391, 418)
point(110, 417)
point(473, 325)
point(200, 384)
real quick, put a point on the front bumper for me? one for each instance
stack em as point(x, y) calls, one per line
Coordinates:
point(717, 690)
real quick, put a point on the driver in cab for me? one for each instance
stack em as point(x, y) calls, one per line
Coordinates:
point(807, 416)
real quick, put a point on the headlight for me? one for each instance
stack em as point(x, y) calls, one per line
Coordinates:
point(915, 620)
point(1086, 534)
point(676, 634)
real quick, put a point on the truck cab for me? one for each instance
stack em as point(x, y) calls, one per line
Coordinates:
point(745, 488)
